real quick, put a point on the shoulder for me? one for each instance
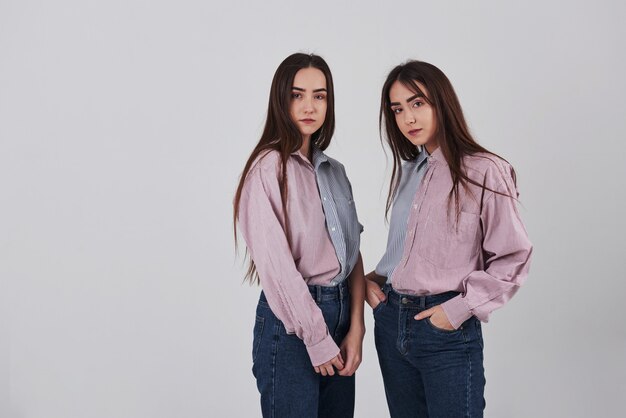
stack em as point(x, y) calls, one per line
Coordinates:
point(487, 165)
point(336, 164)
point(264, 169)
point(491, 171)
point(269, 159)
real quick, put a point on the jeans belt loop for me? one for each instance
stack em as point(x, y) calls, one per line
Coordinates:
point(318, 290)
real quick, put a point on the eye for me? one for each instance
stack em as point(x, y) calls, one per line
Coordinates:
point(397, 110)
point(320, 97)
point(296, 95)
point(418, 103)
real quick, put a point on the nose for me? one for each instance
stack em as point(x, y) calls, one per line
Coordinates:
point(308, 105)
point(409, 119)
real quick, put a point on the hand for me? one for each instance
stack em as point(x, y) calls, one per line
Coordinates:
point(437, 317)
point(351, 349)
point(373, 293)
point(326, 369)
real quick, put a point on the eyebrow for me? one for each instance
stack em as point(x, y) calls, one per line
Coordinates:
point(314, 91)
point(409, 100)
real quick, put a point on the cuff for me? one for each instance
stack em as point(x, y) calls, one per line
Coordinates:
point(457, 311)
point(323, 351)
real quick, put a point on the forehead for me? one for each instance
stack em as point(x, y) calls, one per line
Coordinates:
point(310, 78)
point(400, 93)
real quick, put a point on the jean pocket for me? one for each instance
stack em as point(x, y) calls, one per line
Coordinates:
point(258, 333)
point(379, 307)
point(441, 330)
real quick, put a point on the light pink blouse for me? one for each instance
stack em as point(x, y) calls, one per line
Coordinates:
point(285, 272)
point(484, 253)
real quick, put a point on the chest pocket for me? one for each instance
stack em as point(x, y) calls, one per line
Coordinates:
point(446, 243)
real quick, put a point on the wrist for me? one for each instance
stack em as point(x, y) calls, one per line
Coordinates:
point(357, 328)
point(379, 280)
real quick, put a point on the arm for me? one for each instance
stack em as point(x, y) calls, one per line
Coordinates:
point(507, 251)
point(260, 217)
point(352, 345)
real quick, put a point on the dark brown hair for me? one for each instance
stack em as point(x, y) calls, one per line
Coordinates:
point(281, 133)
point(451, 133)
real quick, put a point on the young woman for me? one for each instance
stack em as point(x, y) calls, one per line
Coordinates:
point(456, 251)
point(295, 211)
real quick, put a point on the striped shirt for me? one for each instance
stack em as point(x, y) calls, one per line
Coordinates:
point(341, 218)
point(323, 244)
point(481, 251)
point(412, 175)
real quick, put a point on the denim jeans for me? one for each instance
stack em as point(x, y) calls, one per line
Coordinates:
point(428, 371)
point(284, 374)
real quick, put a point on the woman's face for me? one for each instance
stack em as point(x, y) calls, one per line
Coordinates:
point(414, 116)
point(308, 101)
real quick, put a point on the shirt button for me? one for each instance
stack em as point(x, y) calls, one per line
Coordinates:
point(414, 206)
point(324, 198)
point(332, 229)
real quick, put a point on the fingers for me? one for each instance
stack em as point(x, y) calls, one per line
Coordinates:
point(337, 362)
point(352, 363)
point(374, 294)
point(347, 365)
point(425, 314)
point(328, 368)
point(437, 316)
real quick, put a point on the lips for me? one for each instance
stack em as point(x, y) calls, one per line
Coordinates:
point(307, 121)
point(414, 131)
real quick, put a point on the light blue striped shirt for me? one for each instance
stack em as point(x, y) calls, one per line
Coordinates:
point(341, 219)
point(412, 175)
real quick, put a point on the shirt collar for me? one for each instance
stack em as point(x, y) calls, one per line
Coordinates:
point(318, 157)
point(422, 155)
point(437, 156)
point(417, 162)
point(302, 158)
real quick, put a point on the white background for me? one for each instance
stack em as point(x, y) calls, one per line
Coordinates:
point(124, 126)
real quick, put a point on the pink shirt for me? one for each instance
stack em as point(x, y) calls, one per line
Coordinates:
point(284, 272)
point(485, 256)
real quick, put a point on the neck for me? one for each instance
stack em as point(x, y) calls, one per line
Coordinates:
point(431, 147)
point(305, 149)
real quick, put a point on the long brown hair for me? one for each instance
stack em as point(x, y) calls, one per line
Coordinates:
point(281, 133)
point(451, 133)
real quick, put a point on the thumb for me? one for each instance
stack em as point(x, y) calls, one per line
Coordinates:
point(425, 314)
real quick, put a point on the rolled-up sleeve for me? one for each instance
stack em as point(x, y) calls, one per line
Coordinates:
point(261, 222)
point(506, 253)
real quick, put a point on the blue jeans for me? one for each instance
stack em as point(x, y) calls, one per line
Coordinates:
point(428, 371)
point(284, 374)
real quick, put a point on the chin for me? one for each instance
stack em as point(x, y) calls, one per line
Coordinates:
point(310, 131)
point(416, 142)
